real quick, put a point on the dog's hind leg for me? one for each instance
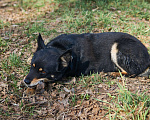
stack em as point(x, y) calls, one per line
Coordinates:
point(130, 56)
point(114, 57)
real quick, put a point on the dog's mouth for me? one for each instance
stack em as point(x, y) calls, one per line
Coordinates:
point(35, 82)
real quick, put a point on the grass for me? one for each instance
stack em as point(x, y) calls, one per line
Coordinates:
point(3, 25)
point(12, 62)
point(74, 16)
point(85, 17)
point(28, 4)
point(134, 106)
point(90, 80)
point(128, 105)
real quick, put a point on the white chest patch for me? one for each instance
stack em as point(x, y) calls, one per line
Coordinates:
point(114, 52)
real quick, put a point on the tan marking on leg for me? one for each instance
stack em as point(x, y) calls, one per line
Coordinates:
point(124, 73)
point(114, 52)
point(117, 74)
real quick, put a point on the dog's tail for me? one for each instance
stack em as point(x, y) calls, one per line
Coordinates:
point(146, 73)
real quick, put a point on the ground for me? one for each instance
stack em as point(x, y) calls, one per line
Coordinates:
point(98, 96)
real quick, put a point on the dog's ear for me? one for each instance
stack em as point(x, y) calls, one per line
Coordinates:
point(64, 60)
point(40, 42)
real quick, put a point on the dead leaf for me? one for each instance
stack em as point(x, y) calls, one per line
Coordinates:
point(35, 103)
point(67, 90)
point(65, 102)
point(30, 91)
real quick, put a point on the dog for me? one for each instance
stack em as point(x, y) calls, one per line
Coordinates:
point(84, 54)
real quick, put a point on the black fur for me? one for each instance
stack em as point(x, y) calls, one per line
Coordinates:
point(87, 53)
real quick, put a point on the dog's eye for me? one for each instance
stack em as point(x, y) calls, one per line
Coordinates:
point(43, 72)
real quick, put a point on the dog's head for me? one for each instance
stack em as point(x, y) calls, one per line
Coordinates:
point(48, 64)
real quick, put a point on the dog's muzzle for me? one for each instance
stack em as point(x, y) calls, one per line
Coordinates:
point(34, 82)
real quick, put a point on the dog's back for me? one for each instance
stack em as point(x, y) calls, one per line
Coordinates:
point(99, 52)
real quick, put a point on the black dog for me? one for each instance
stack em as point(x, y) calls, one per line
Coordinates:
point(76, 54)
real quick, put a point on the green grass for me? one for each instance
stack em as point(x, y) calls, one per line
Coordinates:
point(3, 25)
point(86, 16)
point(90, 80)
point(128, 105)
point(28, 4)
point(12, 62)
point(135, 106)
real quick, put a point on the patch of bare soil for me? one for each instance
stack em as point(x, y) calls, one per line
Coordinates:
point(13, 12)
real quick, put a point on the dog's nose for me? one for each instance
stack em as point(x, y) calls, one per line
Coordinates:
point(27, 81)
